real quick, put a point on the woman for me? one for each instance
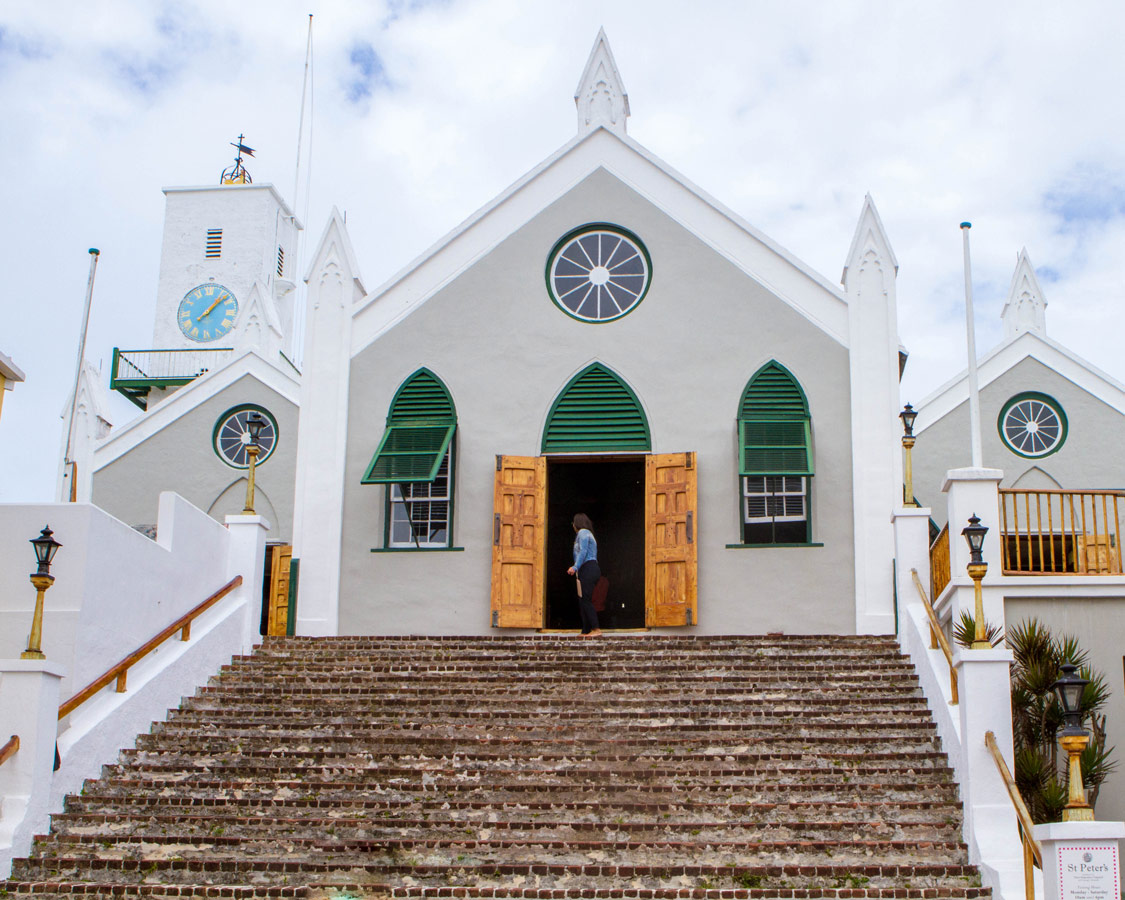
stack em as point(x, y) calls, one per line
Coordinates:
point(586, 568)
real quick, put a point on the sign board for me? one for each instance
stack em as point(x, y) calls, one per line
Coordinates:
point(1089, 871)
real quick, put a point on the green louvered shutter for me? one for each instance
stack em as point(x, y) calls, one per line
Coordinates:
point(774, 426)
point(596, 412)
point(420, 427)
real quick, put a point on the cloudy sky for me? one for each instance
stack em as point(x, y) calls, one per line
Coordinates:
point(1006, 115)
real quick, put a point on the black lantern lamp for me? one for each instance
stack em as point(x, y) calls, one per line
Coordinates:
point(974, 534)
point(1074, 739)
point(255, 422)
point(908, 416)
point(1069, 690)
point(45, 548)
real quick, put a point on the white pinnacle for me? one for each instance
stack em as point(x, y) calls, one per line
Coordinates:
point(600, 96)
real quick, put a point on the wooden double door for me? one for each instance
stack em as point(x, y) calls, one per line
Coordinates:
point(520, 540)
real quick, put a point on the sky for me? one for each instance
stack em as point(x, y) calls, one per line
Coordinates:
point(788, 113)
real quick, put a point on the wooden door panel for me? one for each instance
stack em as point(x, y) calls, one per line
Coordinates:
point(670, 547)
point(519, 541)
point(280, 559)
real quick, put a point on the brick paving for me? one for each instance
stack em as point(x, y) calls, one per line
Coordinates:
point(631, 766)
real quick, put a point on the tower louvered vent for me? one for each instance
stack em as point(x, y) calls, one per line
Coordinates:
point(214, 247)
point(280, 261)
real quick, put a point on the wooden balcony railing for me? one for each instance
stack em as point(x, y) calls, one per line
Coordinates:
point(1032, 852)
point(9, 749)
point(937, 637)
point(939, 563)
point(121, 669)
point(1054, 532)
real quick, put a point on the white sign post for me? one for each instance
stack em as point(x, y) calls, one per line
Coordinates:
point(1081, 860)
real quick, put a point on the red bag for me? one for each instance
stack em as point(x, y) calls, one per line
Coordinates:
point(601, 590)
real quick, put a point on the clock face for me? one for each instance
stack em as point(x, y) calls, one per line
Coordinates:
point(207, 312)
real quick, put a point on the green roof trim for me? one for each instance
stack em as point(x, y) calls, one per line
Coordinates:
point(775, 431)
point(420, 426)
point(596, 413)
point(409, 453)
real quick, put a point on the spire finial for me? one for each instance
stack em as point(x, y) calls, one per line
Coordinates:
point(1026, 307)
point(600, 96)
point(237, 173)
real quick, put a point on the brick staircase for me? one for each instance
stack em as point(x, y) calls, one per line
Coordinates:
point(527, 767)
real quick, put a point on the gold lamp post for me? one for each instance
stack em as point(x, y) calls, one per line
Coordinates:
point(908, 415)
point(1074, 739)
point(45, 548)
point(255, 422)
point(974, 534)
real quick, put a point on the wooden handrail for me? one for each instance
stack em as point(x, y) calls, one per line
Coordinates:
point(1032, 852)
point(937, 637)
point(9, 749)
point(119, 671)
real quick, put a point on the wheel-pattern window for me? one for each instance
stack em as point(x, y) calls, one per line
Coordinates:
point(598, 273)
point(231, 436)
point(1032, 425)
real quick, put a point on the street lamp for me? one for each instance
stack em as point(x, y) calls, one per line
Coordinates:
point(974, 534)
point(1074, 739)
point(255, 422)
point(45, 548)
point(908, 415)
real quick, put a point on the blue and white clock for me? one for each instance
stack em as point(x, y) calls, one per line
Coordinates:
point(207, 312)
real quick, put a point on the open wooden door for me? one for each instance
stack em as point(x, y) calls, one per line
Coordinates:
point(280, 557)
point(519, 541)
point(670, 549)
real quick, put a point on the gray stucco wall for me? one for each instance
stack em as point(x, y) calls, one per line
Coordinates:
point(505, 351)
point(1082, 462)
point(181, 458)
point(1098, 624)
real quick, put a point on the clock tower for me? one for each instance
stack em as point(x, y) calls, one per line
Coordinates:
point(227, 265)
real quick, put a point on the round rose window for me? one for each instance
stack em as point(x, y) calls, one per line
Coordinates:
point(1033, 424)
point(598, 273)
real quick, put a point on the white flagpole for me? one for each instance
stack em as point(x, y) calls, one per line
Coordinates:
point(970, 329)
point(68, 469)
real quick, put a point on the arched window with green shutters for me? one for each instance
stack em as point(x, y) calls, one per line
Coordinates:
point(596, 412)
point(415, 460)
point(776, 458)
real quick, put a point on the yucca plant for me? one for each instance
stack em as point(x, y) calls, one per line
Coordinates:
point(1040, 770)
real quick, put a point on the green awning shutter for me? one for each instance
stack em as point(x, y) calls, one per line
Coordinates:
point(776, 448)
point(420, 426)
point(409, 453)
point(596, 412)
point(775, 432)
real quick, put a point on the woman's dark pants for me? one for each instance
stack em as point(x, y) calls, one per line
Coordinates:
point(588, 577)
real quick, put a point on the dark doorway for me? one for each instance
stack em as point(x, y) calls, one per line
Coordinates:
point(611, 493)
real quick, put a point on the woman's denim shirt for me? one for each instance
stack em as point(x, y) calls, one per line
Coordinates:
point(585, 548)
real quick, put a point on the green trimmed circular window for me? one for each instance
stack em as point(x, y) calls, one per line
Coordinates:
point(1032, 425)
point(598, 273)
point(231, 437)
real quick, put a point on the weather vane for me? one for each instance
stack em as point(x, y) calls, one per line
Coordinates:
point(237, 173)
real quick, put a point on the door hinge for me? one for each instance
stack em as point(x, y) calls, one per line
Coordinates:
point(496, 618)
point(496, 530)
point(687, 617)
point(689, 460)
point(690, 530)
point(499, 462)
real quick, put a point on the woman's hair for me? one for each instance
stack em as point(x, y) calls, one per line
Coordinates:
point(581, 520)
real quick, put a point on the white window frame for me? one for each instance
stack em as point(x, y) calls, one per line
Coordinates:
point(439, 491)
point(793, 493)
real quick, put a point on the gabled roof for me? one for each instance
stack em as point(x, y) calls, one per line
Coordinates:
point(1025, 345)
point(727, 233)
point(187, 398)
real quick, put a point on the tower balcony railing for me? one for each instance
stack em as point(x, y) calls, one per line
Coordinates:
point(137, 372)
